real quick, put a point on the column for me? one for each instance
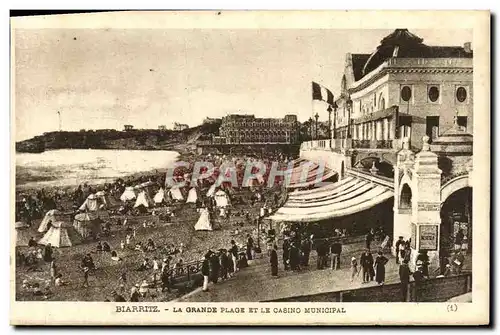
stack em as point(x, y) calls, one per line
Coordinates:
point(374, 130)
point(379, 130)
point(426, 218)
point(392, 129)
point(402, 214)
point(386, 129)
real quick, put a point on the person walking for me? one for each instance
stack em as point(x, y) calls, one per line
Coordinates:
point(234, 255)
point(214, 268)
point(404, 277)
point(53, 269)
point(366, 262)
point(274, 261)
point(459, 237)
point(205, 271)
point(286, 253)
point(249, 248)
point(380, 262)
point(399, 245)
point(336, 250)
point(354, 268)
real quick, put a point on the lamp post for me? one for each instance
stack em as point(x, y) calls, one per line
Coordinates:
point(349, 108)
point(335, 107)
point(316, 117)
point(329, 110)
point(311, 127)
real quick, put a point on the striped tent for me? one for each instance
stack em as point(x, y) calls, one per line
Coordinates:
point(348, 196)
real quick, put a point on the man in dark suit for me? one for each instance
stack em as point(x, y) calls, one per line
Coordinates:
point(404, 277)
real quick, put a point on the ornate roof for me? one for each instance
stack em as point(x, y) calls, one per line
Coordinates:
point(402, 44)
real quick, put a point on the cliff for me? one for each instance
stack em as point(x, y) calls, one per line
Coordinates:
point(140, 139)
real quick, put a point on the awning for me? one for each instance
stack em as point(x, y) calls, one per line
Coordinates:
point(315, 174)
point(346, 197)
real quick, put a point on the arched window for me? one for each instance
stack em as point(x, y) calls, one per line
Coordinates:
point(381, 102)
point(405, 198)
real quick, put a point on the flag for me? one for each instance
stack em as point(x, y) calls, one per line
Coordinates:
point(321, 93)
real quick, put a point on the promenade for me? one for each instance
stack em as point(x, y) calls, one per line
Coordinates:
point(255, 283)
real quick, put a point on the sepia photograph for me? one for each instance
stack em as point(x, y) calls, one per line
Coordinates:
point(216, 170)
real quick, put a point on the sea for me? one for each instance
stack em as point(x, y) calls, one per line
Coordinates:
point(67, 167)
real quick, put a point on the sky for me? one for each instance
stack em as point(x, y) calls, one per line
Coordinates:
point(106, 78)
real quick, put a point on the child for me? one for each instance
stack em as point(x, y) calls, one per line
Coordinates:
point(354, 268)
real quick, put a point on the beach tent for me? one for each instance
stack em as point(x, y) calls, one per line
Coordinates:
point(159, 197)
point(143, 199)
point(192, 196)
point(87, 224)
point(50, 217)
point(221, 199)
point(176, 193)
point(22, 234)
point(211, 191)
point(61, 234)
point(128, 194)
point(90, 204)
point(204, 221)
point(102, 198)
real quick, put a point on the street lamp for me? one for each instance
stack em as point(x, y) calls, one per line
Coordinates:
point(349, 109)
point(311, 127)
point(329, 110)
point(316, 117)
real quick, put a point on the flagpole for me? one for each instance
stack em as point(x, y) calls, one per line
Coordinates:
point(312, 112)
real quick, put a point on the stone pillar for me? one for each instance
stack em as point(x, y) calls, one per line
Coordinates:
point(386, 129)
point(374, 130)
point(426, 208)
point(402, 216)
point(392, 129)
point(379, 130)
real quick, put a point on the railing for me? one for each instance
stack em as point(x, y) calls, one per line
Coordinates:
point(429, 290)
point(324, 144)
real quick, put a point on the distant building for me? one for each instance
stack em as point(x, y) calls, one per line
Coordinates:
point(180, 126)
point(128, 127)
point(162, 127)
point(211, 120)
point(238, 128)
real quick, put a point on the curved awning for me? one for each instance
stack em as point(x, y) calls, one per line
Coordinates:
point(350, 196)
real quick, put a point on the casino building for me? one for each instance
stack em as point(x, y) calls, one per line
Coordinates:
point(401, 136)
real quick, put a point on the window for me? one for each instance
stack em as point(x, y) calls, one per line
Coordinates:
point(432, 127)
point(433, 93)
point(461, 94)
point(406, 93)
point(375, 99)
point(462, 122)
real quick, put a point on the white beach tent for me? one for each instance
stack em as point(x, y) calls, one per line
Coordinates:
point(90, 204)
point(204, 221)
point(159, 196)
point(128, 194)
point(143, 199)
point(87, 224)
point(61, 234)
point(221, 199)
point(176, 193)
point(22, 234)
point(50, 217)
point(211, 190)
point(192, 196)
point(102, 198)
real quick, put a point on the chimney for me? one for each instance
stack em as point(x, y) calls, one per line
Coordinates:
point(468, 47)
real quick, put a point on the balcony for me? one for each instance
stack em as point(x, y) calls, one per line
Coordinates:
point(375, 144)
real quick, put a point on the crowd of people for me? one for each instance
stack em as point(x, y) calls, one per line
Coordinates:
point(163, 265)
